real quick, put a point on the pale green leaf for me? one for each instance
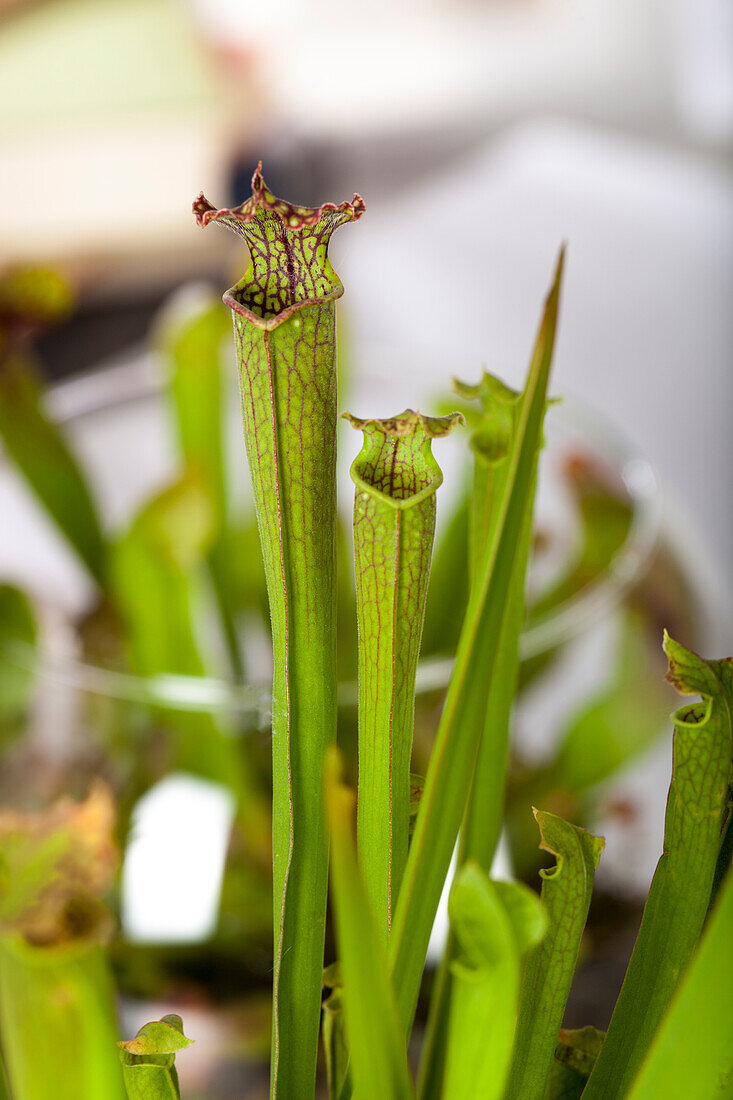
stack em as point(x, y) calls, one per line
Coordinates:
point(192, 345)
point(492, 927)
point(41, 453)
point(18, 633)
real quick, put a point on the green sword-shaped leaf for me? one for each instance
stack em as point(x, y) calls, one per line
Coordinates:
point(191, 345)
point(30, 299)
point(494, 430)
point(396, 478)
point(461, 725)
point(375, 1039)
point(284, 325)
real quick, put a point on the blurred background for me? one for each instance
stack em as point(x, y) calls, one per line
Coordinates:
point(481, 134)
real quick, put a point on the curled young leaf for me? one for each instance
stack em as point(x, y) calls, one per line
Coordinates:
point(148, 1060)
point(566, 894)
point(30, 299)
point(164, 1036)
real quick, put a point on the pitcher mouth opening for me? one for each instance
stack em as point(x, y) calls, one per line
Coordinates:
point(396, 464)
point(288, 245)
point(232, 299)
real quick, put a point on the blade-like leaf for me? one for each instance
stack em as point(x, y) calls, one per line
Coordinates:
point(566, 893)
point(157, 567)
point(193, 348)
point(454, 755)
point(39, 450)
point(680, 891)
point(375, 1038)
point(493, 924)
point(494, 430)
point(17, 637)
point(692, 1052)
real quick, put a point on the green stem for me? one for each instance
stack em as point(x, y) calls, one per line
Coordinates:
point(396, 478)
point(284, 324)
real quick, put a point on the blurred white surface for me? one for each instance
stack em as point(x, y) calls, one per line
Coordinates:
point(174, 863)
point(111, 118)
point(338, 69)
point(702, 53)
point(456, 273)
